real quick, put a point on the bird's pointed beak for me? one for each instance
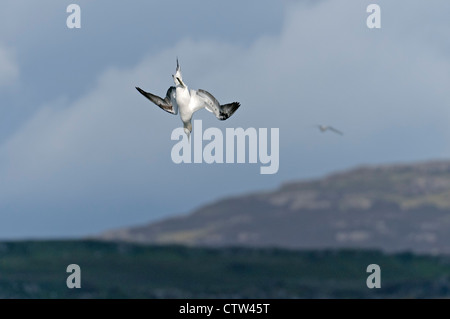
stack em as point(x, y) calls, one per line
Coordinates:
point(181, 82)
point(178, 65)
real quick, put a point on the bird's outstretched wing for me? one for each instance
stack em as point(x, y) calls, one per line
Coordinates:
point(335, 130)
point(202, 98)
point(168, 104)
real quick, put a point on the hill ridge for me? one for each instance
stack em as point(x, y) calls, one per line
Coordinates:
point(399, 207)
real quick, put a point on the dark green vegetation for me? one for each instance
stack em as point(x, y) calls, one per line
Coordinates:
point(37, 269)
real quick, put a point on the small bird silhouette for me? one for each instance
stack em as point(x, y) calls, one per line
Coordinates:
point(324, 128)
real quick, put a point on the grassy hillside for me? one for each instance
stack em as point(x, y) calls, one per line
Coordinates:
point(117, 270)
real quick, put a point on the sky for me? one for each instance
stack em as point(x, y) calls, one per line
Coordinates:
point(82, 152)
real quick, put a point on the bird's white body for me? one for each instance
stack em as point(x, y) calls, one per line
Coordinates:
point(183, 98)
point(187, 102)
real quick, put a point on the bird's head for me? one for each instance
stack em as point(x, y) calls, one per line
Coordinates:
point(177, 77)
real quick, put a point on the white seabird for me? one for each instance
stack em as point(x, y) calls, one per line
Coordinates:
point(324, 128)
point(179, 97)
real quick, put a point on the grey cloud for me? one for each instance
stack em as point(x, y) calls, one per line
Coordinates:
point(106, 155)
point(9, 69)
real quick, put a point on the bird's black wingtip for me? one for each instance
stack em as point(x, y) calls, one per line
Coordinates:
point(229, 110)
point(140, 90)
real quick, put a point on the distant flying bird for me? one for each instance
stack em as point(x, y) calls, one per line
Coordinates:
point(324, 128)
point(189, 102)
